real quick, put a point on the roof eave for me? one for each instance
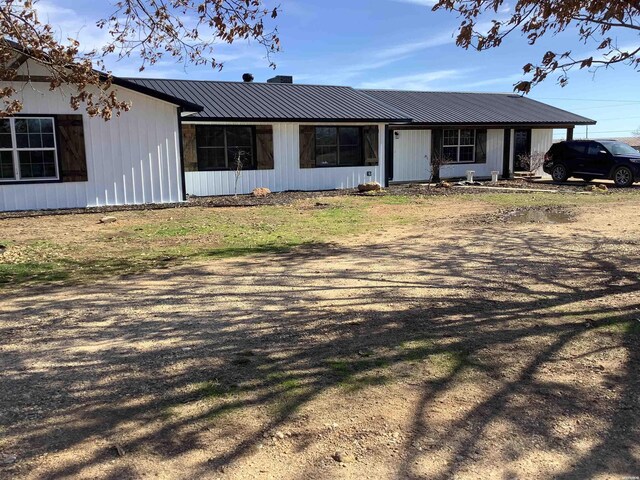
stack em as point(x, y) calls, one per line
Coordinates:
point(184, 104)
point(549, 124)
point(399, 121)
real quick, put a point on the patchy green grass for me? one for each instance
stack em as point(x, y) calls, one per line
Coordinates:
point(142, 240)
point(210, 390)
point(355, 375)
point(627, 327)
point(261, 226)
point(398, 200)
point(19, 273)
point(541, 199)
point(224, 409)
point(426, 351)
point(340, 367)
point(360, 382)
point(417, 350)
point(217, 398)
point(283, 381)
point(449, 362)
point(289, 393)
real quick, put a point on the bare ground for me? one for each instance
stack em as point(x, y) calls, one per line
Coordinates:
point(449, 348)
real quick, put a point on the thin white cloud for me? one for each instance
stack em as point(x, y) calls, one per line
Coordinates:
point(71, 24)
point(506, 81)
point(404, 49)
point(422, 3)
point(378, 59)
point(418, 81)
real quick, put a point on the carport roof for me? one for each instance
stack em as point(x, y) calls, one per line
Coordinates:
point(452, 108)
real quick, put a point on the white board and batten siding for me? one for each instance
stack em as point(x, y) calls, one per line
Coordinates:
point(412, 151)
point(411, 154)
point(541, 140)
point(131, 159)
point(286, 174)
point(495, 153)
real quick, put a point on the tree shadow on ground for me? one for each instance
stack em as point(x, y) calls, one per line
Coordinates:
point(504, 313)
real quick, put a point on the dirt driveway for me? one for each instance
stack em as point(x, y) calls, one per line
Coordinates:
point(464, 347)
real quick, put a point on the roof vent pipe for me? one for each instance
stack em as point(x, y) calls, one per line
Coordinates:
point(247, 78)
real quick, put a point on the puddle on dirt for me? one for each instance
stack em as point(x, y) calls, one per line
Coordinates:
point(539, 216)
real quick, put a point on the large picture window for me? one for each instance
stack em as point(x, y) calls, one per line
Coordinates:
point(339, 146)
point(28, 149)
point(225, 147)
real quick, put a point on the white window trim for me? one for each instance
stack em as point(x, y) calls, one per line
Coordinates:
point(15, 151)
point(459, 144)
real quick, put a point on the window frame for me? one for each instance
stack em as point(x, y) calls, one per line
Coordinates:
point(458, 145)
point(254, 146)
point(15, 151)
point(361, 145)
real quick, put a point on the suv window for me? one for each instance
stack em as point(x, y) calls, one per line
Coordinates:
point(576, 148)
point(594, 149)
point(555, 149)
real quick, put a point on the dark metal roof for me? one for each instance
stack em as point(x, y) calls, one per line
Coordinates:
point(276, 102)
point(184, 103)
point(450, 108)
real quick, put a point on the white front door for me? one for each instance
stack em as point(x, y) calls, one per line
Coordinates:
point(411, 153)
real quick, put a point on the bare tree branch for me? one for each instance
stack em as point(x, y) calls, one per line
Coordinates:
point(187, 31)
point(597, 21)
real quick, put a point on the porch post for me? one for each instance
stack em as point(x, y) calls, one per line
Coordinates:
point(570, 133)
point(506, 154)
point(388, 155)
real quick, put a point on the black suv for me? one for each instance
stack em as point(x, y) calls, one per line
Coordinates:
point(588, 159)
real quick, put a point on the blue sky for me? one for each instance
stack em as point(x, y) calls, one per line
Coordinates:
point(389, 44)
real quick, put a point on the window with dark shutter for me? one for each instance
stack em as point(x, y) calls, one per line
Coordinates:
point(189, 148)
point(343, 146)
point(226, 147)
point(264, 147)
point(42, 148)
point(71, 147)
point(371, 155)
point(460, 145)
point(481, 146)
point(307, 146)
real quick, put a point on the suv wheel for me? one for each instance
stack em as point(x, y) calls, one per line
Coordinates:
point(623, 177)
point(559, 173)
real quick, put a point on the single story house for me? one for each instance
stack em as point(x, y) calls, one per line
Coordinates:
point(326, 137)
point(189, 137)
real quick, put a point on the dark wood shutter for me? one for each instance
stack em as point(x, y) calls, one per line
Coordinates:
point(436, 141)
point(71, 148)
point(481, 146)
point(436, 151)
point(189, 148)
point(370, 135)
point(264, 147)
point(307, 146)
